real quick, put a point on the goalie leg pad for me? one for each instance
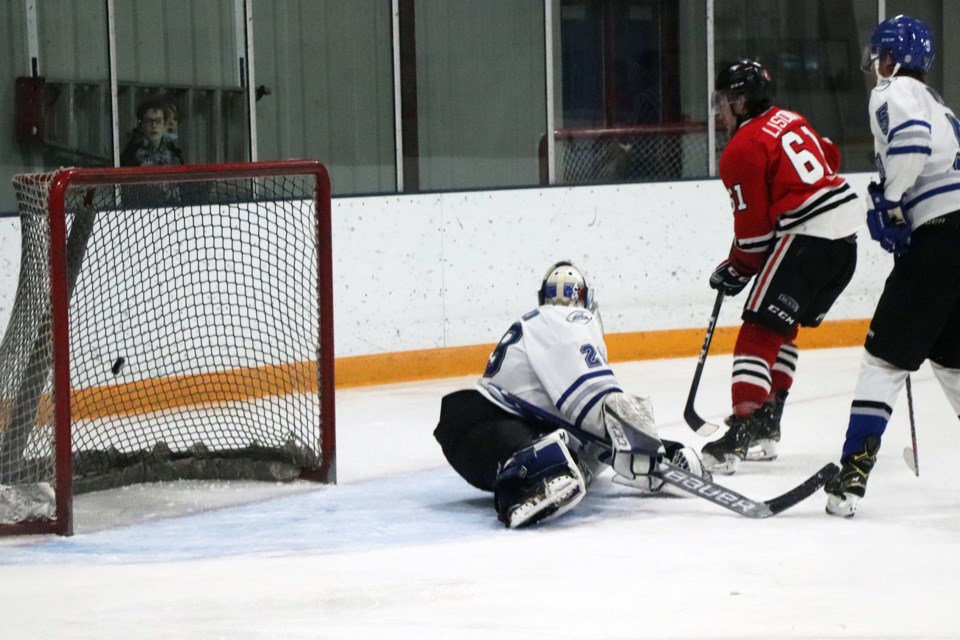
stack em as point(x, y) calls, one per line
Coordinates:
point(538, 482)
point(633, 434)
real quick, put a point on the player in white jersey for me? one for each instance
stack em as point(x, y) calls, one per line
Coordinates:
point(508, 434)
point(914, 214)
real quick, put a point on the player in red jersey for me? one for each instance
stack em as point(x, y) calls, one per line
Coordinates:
point(794, 223)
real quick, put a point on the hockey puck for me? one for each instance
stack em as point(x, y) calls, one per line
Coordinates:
point(118, 365)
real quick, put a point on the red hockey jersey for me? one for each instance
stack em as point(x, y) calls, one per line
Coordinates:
point(782, 178)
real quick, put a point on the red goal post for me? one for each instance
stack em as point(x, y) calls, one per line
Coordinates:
point(169, 322)
point(615, 154)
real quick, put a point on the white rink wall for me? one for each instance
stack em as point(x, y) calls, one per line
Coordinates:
point(454, 269)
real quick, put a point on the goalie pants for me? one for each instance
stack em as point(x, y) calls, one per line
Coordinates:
point(477, 436)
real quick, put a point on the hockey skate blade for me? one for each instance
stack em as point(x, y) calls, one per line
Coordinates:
point(763, 451)
point(844, 506)
point(911, 461)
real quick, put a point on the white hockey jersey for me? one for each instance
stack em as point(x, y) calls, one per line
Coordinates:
point(917, 143)
point(555, 359)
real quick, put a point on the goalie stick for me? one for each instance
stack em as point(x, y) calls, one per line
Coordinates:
point(682, 479)
point(698, 424)
point(729, 499)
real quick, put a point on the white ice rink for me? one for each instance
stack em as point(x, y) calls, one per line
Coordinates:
point(402, 548)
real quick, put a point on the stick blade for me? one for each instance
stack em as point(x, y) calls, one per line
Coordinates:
point(911, 459)
point(803, 490)
point(700, 426)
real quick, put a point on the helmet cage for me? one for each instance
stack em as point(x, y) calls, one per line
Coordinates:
point(564, 285)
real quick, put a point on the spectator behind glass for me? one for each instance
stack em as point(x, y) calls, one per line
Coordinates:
point(147, 145)
point(172, 113)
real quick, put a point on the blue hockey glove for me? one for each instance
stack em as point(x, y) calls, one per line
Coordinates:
point(726, 278)
point(892, 232)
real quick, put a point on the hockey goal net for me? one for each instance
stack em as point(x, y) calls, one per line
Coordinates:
point(648, 152)
point(169, 322)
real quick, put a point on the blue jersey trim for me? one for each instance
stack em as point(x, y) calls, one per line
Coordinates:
point(896, 151)
point(593, 401)
point(578, 382)
point(909, 123)
point(929, 194)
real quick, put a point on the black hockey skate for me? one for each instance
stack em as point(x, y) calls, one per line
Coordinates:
point(766, 442)
point(847, 488)
point(724, 455)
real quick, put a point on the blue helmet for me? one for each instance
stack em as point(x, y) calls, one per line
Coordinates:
point(907, 39)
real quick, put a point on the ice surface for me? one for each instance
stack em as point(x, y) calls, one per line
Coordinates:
point(402, 548)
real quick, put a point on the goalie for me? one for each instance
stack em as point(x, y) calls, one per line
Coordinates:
point(550, 369)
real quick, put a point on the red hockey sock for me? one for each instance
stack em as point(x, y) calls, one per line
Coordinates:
point(754, 357)
point(784, 368)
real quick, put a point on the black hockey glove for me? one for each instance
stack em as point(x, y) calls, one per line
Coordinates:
point(886, 223)
point(726, 278)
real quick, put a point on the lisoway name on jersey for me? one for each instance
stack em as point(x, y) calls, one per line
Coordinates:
point(775, 125)
point(696, 485)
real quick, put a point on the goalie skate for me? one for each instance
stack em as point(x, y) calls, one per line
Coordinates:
point(557, 497)
point(687, 459)
point(539, 482)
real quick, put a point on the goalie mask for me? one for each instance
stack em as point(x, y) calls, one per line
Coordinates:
point(564, 285)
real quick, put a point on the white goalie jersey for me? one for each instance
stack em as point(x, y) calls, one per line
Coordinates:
point(917, 143)
point(555, 359)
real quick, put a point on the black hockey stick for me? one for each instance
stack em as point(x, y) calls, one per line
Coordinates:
point(910, 453)
point(692, 484)
point(698, 424)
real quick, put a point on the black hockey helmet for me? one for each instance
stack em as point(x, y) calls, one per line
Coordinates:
point(745, 78)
